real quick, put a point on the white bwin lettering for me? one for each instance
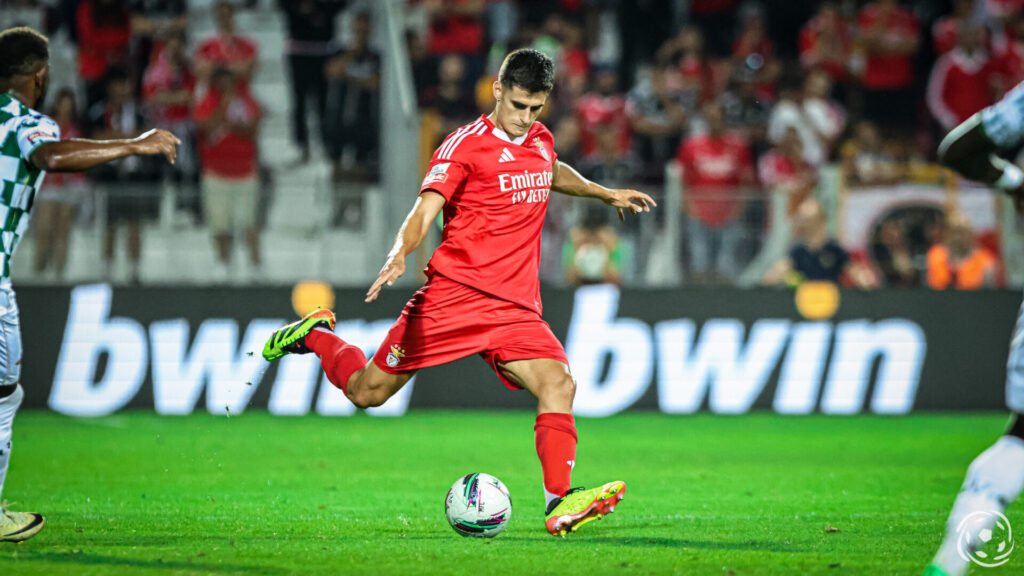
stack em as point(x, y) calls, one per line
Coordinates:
point(731, 366)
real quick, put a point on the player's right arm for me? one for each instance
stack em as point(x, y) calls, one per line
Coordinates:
point(410, 236)
point(76, 155)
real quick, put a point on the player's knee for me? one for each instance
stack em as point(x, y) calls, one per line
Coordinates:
point(367, 397)
point(563, 387)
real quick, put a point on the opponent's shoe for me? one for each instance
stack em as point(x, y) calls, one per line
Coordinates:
point(19, 526)
point(580, 506)
point(291, 339)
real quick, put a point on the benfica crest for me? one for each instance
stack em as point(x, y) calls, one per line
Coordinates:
point(540, 148)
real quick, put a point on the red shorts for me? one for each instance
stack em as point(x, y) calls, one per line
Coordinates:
point(446, 320)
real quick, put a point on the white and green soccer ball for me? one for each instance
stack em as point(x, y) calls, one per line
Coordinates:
point(478, 505)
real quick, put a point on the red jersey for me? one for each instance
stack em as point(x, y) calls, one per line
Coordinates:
point(959, 86)
point(496, 193)
point(594, 110)
point(889, 71)
point(222, 152)
point(99, 46)
point(226, 50)
point(713, 170)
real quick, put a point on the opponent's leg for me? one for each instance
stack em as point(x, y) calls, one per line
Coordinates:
point(14, 526)
point(994, 480)
point(555, 434)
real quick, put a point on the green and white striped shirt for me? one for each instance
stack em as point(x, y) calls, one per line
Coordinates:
point(22, 130)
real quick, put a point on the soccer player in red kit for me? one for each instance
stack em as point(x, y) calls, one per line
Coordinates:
point(491, 178)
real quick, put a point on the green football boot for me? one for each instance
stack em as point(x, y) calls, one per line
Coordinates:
point(291, 339)
point(580, 506)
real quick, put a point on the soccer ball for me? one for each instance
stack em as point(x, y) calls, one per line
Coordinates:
point(478, 505)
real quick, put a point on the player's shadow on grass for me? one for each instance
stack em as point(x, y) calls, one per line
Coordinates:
point(174, 565)
point(648, 542)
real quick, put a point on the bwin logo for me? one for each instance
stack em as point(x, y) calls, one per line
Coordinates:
point(729, 366)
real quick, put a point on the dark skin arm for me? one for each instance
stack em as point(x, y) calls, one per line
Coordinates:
point(77, 155)
point(566, 180)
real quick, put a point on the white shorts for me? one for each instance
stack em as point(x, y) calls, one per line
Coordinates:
point(10, 336)
point(1004, 121)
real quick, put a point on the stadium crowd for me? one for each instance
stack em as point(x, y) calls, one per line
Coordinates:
point(751, 102)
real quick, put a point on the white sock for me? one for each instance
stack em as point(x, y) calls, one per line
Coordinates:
point(993, 481)
point(8, 406)
point(548, 497)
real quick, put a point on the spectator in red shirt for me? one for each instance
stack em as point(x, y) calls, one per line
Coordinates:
point(225, 50)
point(961, 80)
point(603, 106)
point(228, 120)
point(457, 27)
point(783, 170)
point(716, 166)
point(825, 43)
point(891, 37)
point(104, 33)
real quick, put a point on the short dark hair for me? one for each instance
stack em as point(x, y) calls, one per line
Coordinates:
point(529, 69)
point(22, 49)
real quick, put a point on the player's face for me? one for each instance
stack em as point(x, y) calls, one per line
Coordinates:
point(517, 109)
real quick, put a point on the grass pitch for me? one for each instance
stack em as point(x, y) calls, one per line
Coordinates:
point(255, 494)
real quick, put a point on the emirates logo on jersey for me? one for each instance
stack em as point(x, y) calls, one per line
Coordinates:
point(526, 187)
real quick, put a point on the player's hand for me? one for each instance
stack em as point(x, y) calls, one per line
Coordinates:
point(157, 141)
point(392, 270)
point(632, 200)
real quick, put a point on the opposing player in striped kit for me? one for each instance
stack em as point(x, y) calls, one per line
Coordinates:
point(981, 149)
point(491, 178)
point(30, 145)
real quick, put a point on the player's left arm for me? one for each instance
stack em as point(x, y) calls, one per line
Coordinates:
point(566, 180)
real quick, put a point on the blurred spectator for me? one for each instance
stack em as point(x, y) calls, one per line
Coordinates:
point(168, 89)
point(814, 256)
point(310, 25)
point(454, 103)
point(946, 29)
point(548, 40)
point(129, 182)
point(961, 80)
point(104, 31)
point(1008, 58)
point(890, 37)
point(456, 27)
point(959, 262)
point(686, 52)
point(424, 66)
point(153, 23)
point(893, 256)
point(608, 165)
point(825, 43)
point(754, 52)
point(593, 253)
point(657, 117)
point(818, 119)
point(716, 166)
point(556, 223)
point(867, 160)
point(573, 59)
point(716, 20)
point(354, 103)
point(58, 201)
point(783, 170)
point(605, 105)
point(745, 112)
point(227, 49)
point(228, 120)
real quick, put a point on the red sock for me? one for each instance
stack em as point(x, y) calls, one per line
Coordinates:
point(338, 358)
point(556, 448)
